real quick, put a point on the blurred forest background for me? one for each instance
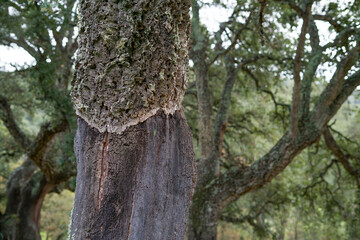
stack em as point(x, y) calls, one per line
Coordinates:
point(248, 63)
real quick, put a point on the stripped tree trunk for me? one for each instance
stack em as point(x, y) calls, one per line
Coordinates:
point(136, 170)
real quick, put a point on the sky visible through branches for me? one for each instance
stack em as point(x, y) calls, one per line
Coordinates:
point(211, 15)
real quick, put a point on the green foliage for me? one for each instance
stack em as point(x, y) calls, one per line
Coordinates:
point(315, 197)
point(38, 94)
point(55, 214)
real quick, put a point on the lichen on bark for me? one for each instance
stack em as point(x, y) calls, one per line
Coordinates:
point(131, 62)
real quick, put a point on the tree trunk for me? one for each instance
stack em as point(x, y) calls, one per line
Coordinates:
point(26, 190)
point(203, 220)
point(136, 169)
point(134, 185)
point(282, 229)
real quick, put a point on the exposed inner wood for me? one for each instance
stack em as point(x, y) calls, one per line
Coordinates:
point(134, 185)
point(104, 160)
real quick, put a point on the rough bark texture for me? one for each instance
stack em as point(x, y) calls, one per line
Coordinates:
point(136, 171)
point(134, 185)
point(205, 213)
point(132, 61)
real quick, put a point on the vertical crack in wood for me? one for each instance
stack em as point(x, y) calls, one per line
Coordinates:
point(104, 162)
point(142, 179)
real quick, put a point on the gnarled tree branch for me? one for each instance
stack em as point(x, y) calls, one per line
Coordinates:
point(343, 158)
point(296, 71)
point(328, 19)
point(338, 89)
point(41, 143)
point(235, 38)
point(310, 69)
point(241, 180)
point(222, 113)
point(8, 119)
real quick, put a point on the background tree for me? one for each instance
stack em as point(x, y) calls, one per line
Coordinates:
point(46, 31)
point(136, 170)
point(309, 116)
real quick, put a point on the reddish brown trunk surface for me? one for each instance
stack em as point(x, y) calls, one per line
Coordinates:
point(134, 185)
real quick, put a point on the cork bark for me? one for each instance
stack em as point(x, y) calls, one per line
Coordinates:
point(135, 160)
point(132, 61)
